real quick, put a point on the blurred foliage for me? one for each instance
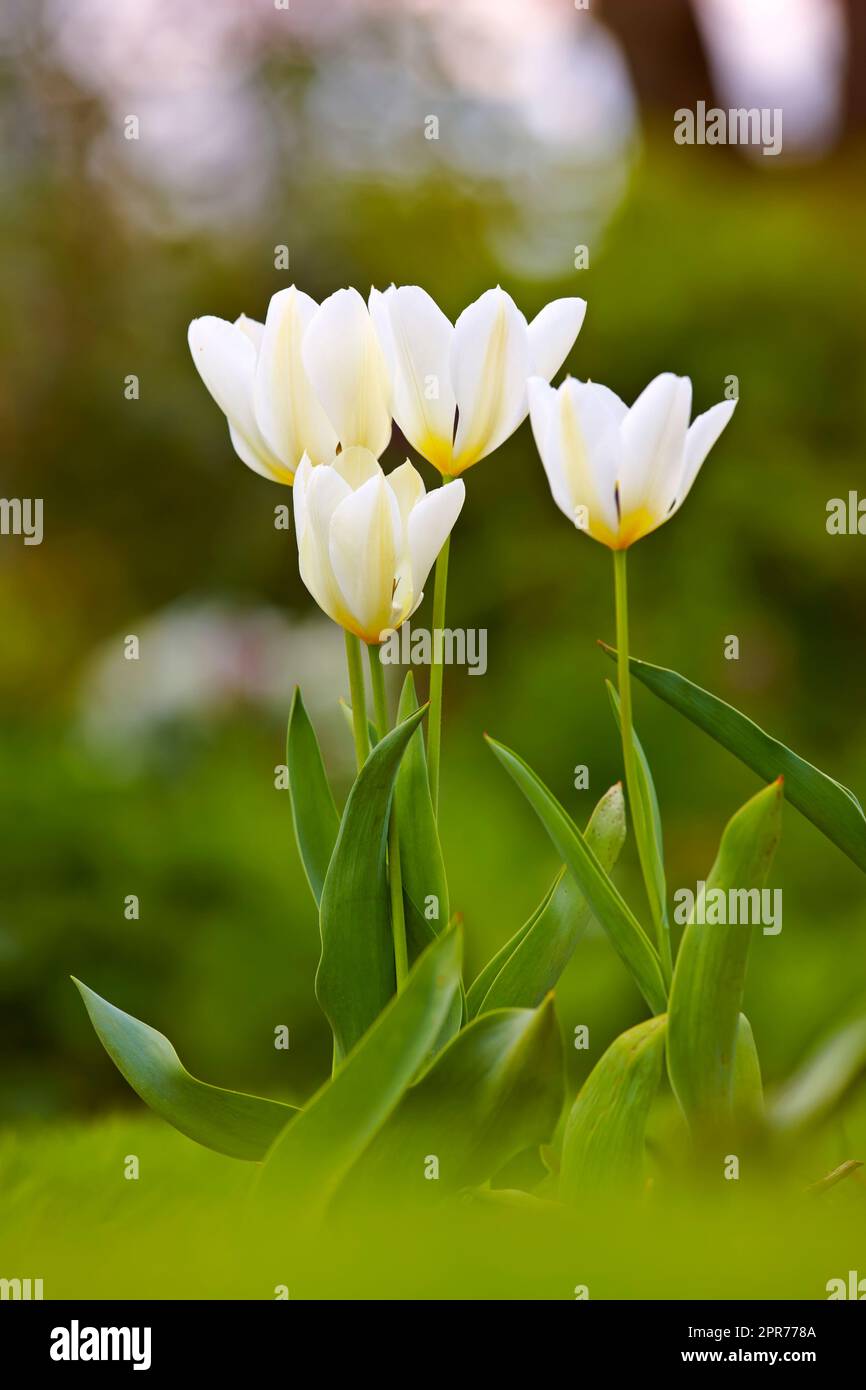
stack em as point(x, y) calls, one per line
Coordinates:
point(71, 1218)
point(711, 267)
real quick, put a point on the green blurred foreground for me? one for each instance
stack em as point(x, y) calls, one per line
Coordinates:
point(188, 1229)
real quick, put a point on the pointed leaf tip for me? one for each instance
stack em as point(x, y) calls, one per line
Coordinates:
point(829, 805)
point(231, 1122)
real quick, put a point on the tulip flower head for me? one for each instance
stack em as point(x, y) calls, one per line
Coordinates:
point(367, 542)
point(308, 379)
point(617, 472)
point(475, 369)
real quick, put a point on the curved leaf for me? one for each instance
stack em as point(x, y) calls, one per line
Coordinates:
point(653, 851)
point(314, 814)
point(605, 1133)
point(231, 1122)
point(421, 862)
point(825, 802)
point(495, 1090)
point(748, 1084)
point(707, 988)
point(349, 717)
point(356, 978)
point(530, 964)
point(316, 1151)
point(821, 1082)
point(609, 908)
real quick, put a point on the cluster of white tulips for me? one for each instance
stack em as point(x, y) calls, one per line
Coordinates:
point(310, 396)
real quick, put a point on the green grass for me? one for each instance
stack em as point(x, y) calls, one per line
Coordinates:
point(189, 1228)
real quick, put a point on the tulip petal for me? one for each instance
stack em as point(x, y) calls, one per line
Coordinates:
point(318, 493)
point(345, 363)
point(416, 339)
point(225, 357)
point(299, 495)
point(287, 411)
point(364, 548)
point(653, 435)
point(430, 524)
point(702, 435)
point(252, 329)
point(581, 452)
point(552, 335)
point(356, 466)
point(490, 363)
point(542, 408)
point(408, 487)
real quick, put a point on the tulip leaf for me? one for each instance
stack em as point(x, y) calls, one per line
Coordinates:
point(825, 802)
point(605, 1134)
point(421, 862)
point(748, 1086)
point(315, 1152)
point(356, 975)
point(477, 991)
point(231, 1122)
point(425, 886)
point(493, 1092)
point(707, 989)
point(609, 908)
point(530, 964)
point(349, 717)
point(654, 850)
point(820, 1084)
point(314, 813)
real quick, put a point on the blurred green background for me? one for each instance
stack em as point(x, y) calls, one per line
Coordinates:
point(261, 128)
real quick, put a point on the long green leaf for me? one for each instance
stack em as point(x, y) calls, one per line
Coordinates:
point(605, 1133)
point(608, 907)
point(820, 1084)
point(651, 816)
point(748, 1085)
point(231, 1122)
point(707, 989)
point(425, 886)
point(314, 813)
point(316, 1151)
point(349, 718)
point(825, 802)
point(477, 991)
point(530, 964)
point(493, 1092)
point(356, 975)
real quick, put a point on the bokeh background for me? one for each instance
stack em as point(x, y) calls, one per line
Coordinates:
point(305, 127)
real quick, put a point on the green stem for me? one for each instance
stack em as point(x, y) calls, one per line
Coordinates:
point(395, 876)
point(437, 670)
point(359, 699)
point(630, 762)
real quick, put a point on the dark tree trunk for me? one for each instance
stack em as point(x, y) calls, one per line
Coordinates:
point(665, 52)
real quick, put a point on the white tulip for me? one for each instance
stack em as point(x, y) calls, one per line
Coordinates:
point(344, 361)
point(310, 378)
point(367, 542)
point(619, 473)
point(476, 369)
